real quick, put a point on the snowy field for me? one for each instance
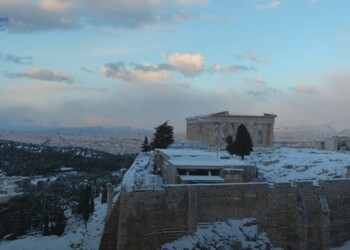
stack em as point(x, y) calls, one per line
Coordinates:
point(289, 164)
point(76, 236)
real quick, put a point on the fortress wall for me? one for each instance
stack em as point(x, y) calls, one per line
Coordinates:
point(280, 217)
point(337, 193)
point(316, 216)
point(298, 216)
point(152, 218)
point(110, 231)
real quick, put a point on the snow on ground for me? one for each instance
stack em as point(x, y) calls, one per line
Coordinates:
point(35, 180)
point(288, 164)
point(230, 234)
point(139, 176)
point(346, 246)
point(76, 236)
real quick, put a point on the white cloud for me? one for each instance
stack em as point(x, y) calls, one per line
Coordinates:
point(140, 73)
point(304, 88)
point(269, 5)
point(43, 15)
point(43, 74)
point(252, 56)
point(56, 5)
point(189, 65)
point(260, 80)
point(218, 68)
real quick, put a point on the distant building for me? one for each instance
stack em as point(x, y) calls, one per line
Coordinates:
point(335, 143)
point(199, 166)
point(213, 129)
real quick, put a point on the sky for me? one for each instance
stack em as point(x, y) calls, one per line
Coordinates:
point(138, 63)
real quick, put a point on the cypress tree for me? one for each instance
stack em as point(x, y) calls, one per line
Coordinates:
point(243, 143)
point(60, 223)
point(163, 136)
point(92, 205)
point(145, 147)
point(86, 202)
point(230, 145)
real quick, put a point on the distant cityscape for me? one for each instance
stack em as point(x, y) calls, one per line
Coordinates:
point(110, 143)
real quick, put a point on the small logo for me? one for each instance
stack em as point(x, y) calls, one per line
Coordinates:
point(3, 20)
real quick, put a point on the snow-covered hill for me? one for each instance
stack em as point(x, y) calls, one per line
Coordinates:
point(76, 236)
point(231, 234)
point(310, 133)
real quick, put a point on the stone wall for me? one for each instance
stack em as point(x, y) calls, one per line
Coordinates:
point(295, 216)
point(214, 129)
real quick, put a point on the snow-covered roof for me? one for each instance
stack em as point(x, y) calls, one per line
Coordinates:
point(202, 158)
point(201, 178)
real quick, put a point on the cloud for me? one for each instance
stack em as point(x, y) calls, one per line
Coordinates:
point(55, 5)
point(261, 94)
point(218, 68)
point(42, 74)
point(86, 70)
point(44, 15)
point(304, 88)
point(33, 16)
point(260, 80)
point(25, 60)
point(257, 80)
point(191, 2)
point(185, 84)
point(268, 5)
point(252, 56)
point(179, 17)
point(189, 65)
point(313, 1)
point(140, 73)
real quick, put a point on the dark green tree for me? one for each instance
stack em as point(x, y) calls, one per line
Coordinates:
point(163, 136)
point(145, 147)
point(104, 194)
point(230, 145)
point(60, 223)
point(46, 231)
point(243, 144)
point(86, 203)
point(92, 204)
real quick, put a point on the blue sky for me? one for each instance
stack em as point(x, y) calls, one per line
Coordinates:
point(141, 62)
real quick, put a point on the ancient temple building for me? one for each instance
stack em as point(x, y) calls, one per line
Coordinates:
point(213, 129)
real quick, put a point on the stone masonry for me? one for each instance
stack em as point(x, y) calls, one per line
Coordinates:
point(294, 215)
point(213, 129)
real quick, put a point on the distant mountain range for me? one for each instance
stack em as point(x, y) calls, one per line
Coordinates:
point(96, 130)
point(311, 132)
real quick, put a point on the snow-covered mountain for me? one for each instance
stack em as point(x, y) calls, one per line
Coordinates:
point(310, 133)
point(97, 130)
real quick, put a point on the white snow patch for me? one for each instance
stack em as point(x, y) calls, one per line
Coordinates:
point(76, 236)
point(230, 234)
point(288, 164)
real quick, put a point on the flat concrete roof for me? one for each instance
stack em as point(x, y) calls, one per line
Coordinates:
point(195, 158)
point(201, 178)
